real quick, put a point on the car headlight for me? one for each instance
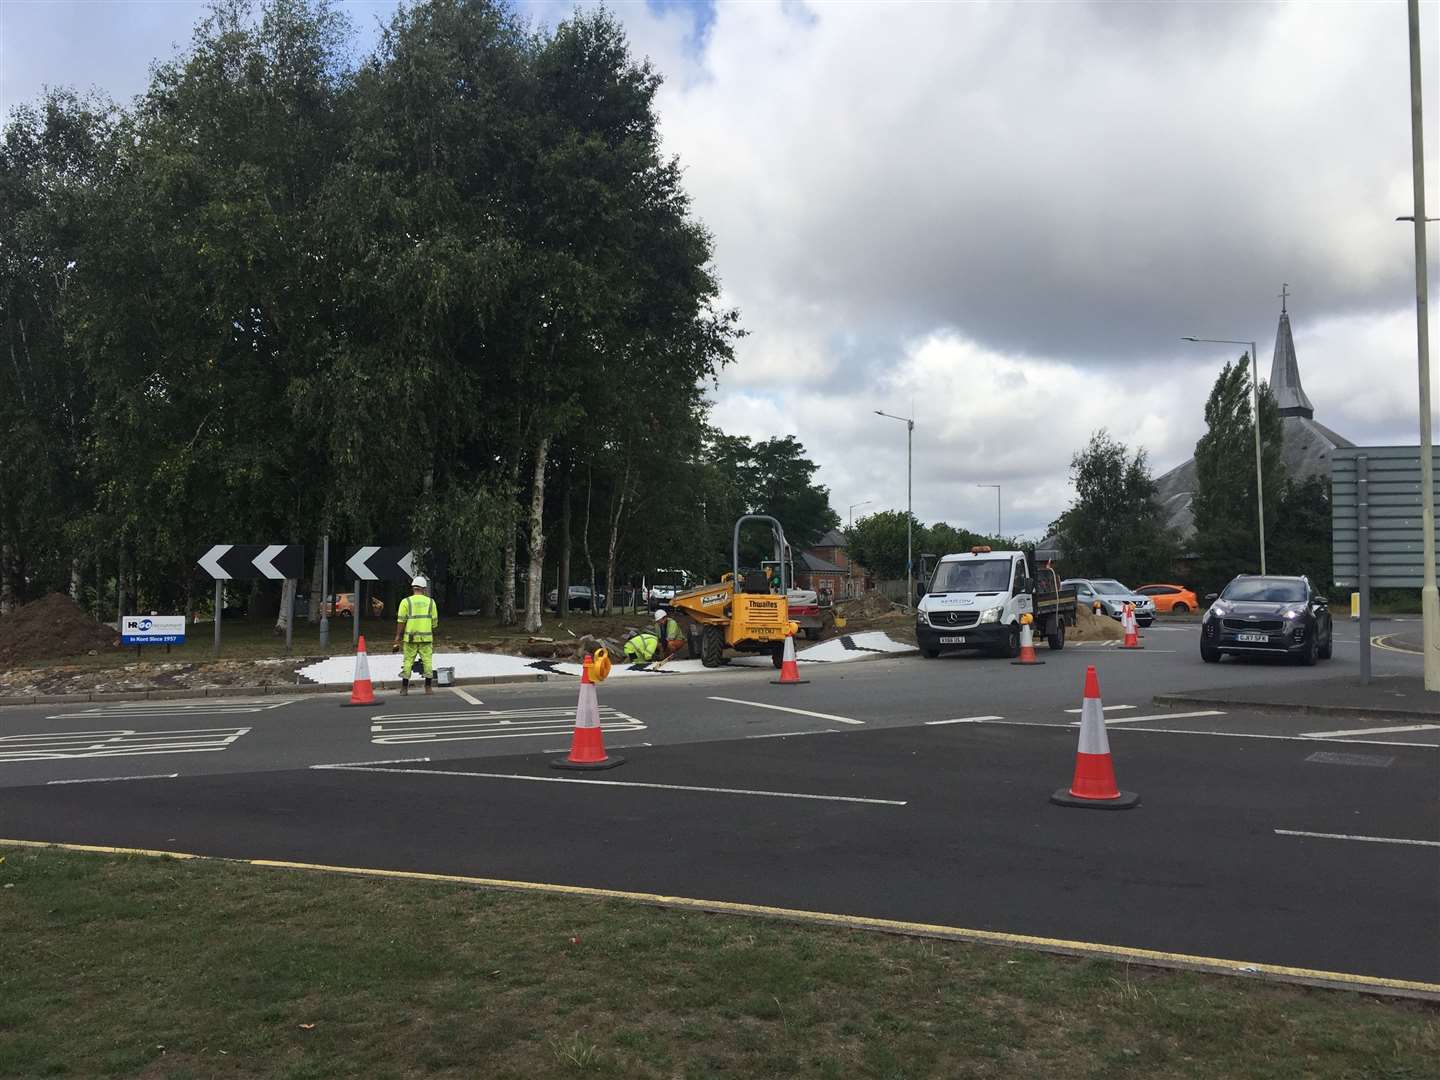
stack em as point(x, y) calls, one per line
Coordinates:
point(991, 614)
point(1293, 614)
point(1217, 609)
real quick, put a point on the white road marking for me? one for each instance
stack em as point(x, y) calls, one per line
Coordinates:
point(792, 734)
point(112, 779)
point(962, 720)
point(786, 708)
point(1109, 708)
point(1228, 734)
point(57, 745)
point(638, 784)
point(1369, 731)
point(127, 710)
point(383, 761)
point(1367, 839)
point(1157, 716)
point(463, 696)
point(491, 724)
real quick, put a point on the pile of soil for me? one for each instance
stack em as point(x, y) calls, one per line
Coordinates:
point(50, 627)
point(1091, 627)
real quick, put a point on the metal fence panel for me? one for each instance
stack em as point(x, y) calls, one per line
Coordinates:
point(1394, 521)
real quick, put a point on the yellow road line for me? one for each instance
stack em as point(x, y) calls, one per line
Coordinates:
point(1342, 980)
point(1382, 641)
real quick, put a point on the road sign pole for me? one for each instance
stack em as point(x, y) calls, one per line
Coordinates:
point(1429, 596)
point(1362, 555)
point(219, 601)
point(355, 616)
point(290, 615)
point(324, 594)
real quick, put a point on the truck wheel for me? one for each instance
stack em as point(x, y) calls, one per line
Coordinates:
point(929, 654)
point(1056, 637)
point(777, 655)
point(712, 647)
point(1010, 647)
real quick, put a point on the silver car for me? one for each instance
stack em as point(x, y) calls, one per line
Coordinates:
point(1112, 597)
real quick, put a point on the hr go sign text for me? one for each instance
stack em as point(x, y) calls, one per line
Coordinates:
point(152, 630)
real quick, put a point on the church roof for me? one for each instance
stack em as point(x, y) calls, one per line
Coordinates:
point(1285, 374)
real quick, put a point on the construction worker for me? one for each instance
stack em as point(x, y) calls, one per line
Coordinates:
point(415, 620)
point(672, 638)
point(641, 646)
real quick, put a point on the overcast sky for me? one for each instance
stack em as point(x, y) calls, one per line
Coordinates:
point(1003, 216)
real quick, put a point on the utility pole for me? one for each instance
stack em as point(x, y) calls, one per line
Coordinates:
point(999, 527)
point(909, 507)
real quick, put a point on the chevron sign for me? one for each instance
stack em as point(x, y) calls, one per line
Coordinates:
point(228, 562)
point(375, 563)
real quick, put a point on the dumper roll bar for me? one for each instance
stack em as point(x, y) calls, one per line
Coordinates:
point(777, 533)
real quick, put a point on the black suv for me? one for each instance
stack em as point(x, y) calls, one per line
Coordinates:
point(1270, 614)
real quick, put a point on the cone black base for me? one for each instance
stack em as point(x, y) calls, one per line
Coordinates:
point(361, 704)
point(1127, 800)
point(1026, 663)
point(792, 682)
point(586, 766)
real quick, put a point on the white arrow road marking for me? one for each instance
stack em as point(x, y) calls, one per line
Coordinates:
point(53, 745)
point(357, 566)
point(468, 726)
point(265, 564)
point(210, 562)
point(1157, 716)
point(1368, 731)
point(407, 564)
point(114, 779)
point(634, 784)
point(784, 708)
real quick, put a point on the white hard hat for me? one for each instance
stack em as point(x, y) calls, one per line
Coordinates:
point(419, 583)
point(660, 614)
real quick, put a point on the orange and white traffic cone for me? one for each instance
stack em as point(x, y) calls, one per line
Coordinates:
point(587, 747)
point(1093, 785)
point(363, 691)
point(1132, 629)
point(1027, 646)
point(789, 668)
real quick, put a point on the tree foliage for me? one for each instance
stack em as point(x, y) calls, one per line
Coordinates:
point(452, 296)
point(1226, 530)
point(1114, 527)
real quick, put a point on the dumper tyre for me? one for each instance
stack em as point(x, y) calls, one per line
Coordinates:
point(712, 647)
point(1056, 638)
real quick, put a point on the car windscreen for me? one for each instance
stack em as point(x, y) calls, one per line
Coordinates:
point(1265, 591)
point(1110, 587)
point(972, 575)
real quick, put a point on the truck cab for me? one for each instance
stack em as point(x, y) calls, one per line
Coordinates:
point(978, 600)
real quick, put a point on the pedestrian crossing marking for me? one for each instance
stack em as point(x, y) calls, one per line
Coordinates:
point(495, 724)
point(126, 710)
point(63, 745)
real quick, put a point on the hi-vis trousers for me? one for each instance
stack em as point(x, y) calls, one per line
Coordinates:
point(422, 650)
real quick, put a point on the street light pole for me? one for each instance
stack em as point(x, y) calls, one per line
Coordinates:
point(1429, 597)
point(999, 525)
point(909, 507)
point(1255, 408)
point(851, 513)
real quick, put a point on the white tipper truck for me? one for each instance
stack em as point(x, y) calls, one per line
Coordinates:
point(976, 600)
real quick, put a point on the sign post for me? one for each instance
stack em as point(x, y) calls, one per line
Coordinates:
point(219, 601)
point(142, 630)
point(324, 594)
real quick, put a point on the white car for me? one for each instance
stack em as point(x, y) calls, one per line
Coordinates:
point(1112, 597)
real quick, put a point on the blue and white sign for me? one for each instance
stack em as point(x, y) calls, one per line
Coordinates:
point(152, 630)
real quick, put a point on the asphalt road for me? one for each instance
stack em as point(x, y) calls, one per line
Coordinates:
point(895, 788)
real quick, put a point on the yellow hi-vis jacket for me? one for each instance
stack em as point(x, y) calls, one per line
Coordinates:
point(642, 646)
point(419, 614)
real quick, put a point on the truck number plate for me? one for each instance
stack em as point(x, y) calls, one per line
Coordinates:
point(953, 640)
point(1259, 639)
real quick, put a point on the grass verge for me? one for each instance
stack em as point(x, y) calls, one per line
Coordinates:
point(134, 966)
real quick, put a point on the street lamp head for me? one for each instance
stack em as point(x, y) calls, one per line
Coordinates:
point(1187, 337)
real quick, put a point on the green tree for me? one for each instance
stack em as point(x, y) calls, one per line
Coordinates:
point(1226, 534)
point(1302, 545)
point(878, 542)
point(1115, 527)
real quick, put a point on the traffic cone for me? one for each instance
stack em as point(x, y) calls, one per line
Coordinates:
point(789, 669)
point(1027, 646)
point(587, 748)
point(1094, 783)
point(363, 691)
point(1132, 630)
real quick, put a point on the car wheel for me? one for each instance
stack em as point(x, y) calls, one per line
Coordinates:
point(1311, 653)
point(930, 654)
point(1328, 649)
point(1180, 609)
point(1209, 653)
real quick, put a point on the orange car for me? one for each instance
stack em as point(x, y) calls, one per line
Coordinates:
point(1170, 599)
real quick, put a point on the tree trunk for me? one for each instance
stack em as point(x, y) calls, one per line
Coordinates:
point(535, 583)
point(317, 586)
point(507, 586)
point(76, 582)
point(617, 511)
point(562, 598)
point(287, 605)
point(99, 588)
point(7, 579)
point(585, 536)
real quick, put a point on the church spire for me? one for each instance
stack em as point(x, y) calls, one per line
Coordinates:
point(1285, 370)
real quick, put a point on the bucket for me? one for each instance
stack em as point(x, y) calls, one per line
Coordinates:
point(444, 676)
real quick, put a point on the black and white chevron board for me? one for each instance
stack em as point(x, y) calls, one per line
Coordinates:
point(235, 562)
point(374, 563)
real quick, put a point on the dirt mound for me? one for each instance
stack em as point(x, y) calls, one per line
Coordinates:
point(867, 608)
point(1091, 627)
point(50, 627)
